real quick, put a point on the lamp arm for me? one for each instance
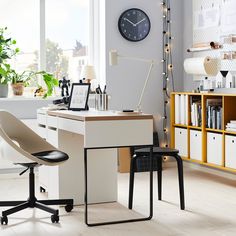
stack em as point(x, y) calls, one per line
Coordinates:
point(145, 85)
point(138, 59)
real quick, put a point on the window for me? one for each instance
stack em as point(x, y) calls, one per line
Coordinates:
point(66, 31)
point(23, 26)
point(67, 37)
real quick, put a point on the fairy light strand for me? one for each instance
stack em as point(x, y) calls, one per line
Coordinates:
point(167, 74)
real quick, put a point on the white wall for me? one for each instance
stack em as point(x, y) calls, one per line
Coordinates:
point(125, 81)
point(189, 84)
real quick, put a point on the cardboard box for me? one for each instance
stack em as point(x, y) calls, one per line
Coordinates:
point(124, 160)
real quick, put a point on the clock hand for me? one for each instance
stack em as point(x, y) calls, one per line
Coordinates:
point(130, 21)
point(140, 21)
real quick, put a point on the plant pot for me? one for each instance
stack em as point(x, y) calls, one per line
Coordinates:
point(3, 90)
point(18, 89)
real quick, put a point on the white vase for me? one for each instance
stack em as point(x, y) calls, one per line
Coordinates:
point(3, 90)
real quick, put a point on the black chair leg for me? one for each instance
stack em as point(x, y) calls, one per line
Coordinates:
point(131, 181)
point(181, 180)
point(159, 177)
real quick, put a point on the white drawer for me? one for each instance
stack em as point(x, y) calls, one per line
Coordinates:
point(214, 148)
point(181, 141)
point(41, 119)
point(230, 151)
point(52, 121)
point(42, 131)
point(196, 145)
point(74, 126)
point(52, 137)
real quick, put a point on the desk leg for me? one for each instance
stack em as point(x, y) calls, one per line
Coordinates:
point(119, 221)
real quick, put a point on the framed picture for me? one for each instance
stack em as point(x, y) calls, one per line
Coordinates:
point(79, 96)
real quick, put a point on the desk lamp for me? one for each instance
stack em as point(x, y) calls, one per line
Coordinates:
point(113, 60)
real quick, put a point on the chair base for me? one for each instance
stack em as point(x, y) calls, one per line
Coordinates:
point(32, 202)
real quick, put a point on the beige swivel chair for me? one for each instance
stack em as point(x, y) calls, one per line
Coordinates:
point(33, 151)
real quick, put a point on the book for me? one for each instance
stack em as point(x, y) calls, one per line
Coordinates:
point(231, 129)
point(214, 113)
point(196, 111)
point(177, 109)
point(229, 125)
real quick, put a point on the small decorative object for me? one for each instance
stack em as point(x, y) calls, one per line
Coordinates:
point(64, 84)
point(79, 96)
point(134, 24)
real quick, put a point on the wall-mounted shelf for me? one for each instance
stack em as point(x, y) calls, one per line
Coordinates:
point(206, 146)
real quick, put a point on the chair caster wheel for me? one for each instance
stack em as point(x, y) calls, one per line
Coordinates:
point(54, 218)
point(4, 220)
point(68, 208)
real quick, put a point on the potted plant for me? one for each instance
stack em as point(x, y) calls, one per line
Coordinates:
point(50, 81)
point(7, 51)
point(21, 80)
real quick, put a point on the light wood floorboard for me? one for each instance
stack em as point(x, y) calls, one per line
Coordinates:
point(210, 208)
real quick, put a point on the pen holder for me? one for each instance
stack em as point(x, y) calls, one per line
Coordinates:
point(101, 102)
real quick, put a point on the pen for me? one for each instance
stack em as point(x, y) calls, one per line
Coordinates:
point(98, 90)
point(104, 90)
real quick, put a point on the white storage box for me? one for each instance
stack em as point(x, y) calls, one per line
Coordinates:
point(230, 151)
point(214, 148)
point(196, 145)
point(181, 141)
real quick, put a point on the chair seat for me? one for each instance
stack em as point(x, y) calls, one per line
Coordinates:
point(157, 151)
point(51, 156)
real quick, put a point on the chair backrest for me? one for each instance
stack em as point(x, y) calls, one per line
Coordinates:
point(13, 131)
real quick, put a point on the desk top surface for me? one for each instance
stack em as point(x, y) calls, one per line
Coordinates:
point(94, 115)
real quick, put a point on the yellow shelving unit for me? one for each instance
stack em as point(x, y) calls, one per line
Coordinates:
point(227, 162)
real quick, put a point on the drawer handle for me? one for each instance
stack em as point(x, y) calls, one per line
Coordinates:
point(232, 141)
point(195, 135)
point(214, 138)
point(180, 132)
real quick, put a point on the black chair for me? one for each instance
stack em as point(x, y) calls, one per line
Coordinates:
point(33, 151)
point(158, 153)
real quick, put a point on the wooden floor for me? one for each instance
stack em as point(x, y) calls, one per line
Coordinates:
point(210, 208)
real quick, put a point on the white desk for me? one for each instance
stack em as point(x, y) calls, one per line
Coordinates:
point(77, 131)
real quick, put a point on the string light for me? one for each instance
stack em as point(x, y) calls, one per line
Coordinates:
point(167, 72)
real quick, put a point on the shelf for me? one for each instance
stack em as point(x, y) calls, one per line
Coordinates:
point(215, 130)
point(230, 132)
point(194, 127)
point(196, 161)
point(182, 126)
point(203, 140)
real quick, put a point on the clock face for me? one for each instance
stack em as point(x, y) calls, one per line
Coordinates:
point(134, 24)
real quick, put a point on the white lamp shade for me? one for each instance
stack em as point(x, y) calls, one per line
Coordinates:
point(113, 57)
point(88, 72)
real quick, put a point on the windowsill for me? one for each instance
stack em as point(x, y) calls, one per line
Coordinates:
point(27, 98)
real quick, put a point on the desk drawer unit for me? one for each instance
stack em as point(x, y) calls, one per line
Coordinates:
point(42, 121)
point(196, 145)
point(118, 133)
point(181, 141)
point(230, 151)
point(214, 148)
point(74, 126)
point(52, 121)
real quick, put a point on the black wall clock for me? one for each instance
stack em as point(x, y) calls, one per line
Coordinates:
point(134, 24)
